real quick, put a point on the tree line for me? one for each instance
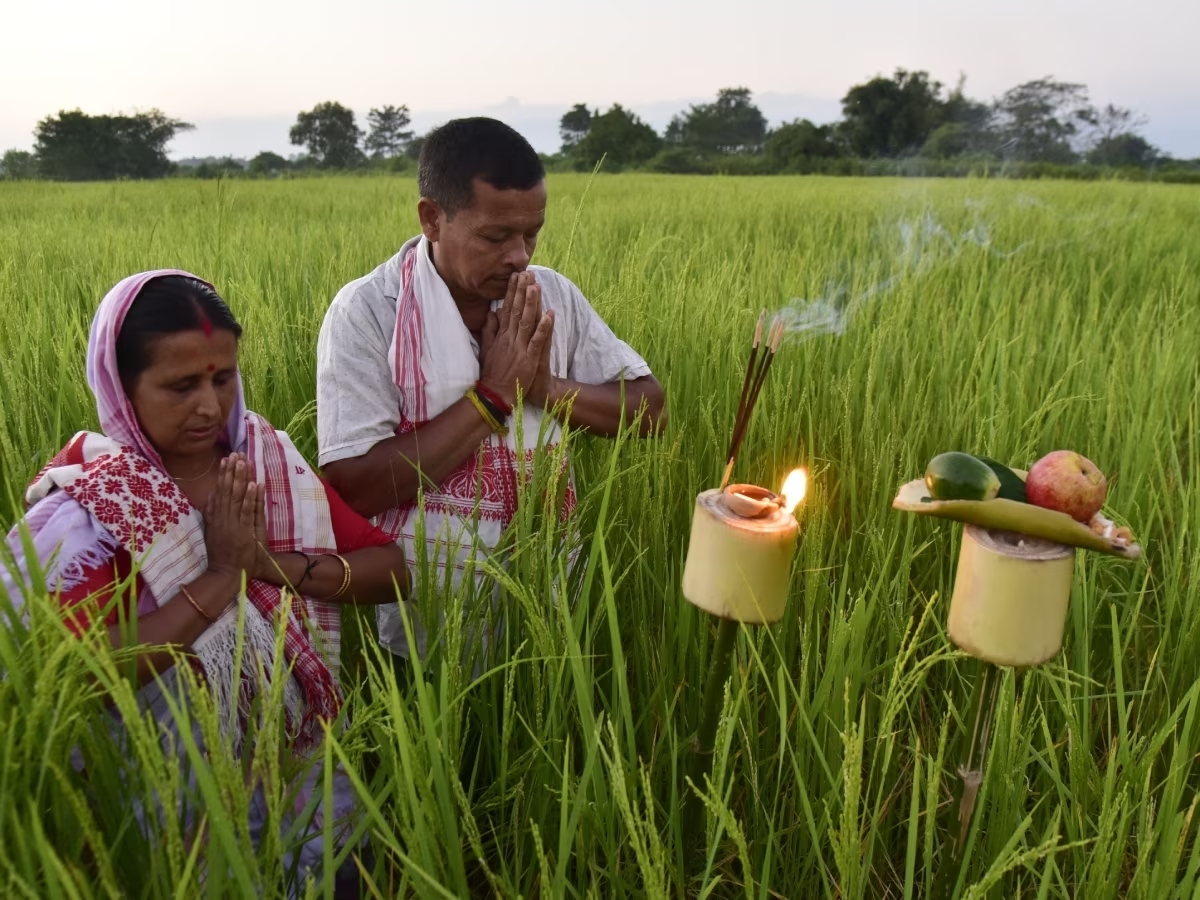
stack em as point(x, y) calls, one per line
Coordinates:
point(906, 123)
point(75, 146)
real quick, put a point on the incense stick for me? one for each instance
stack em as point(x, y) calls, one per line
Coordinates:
point(756, 374)
point(747, 383)
point(750, 366)
point(773, 342)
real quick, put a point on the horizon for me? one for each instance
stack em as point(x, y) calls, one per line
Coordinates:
point(538, 123)
point(242, 74)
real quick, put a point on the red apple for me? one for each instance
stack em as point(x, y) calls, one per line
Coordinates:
point(1067, 482)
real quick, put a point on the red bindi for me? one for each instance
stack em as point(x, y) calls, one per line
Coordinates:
point(211, 367)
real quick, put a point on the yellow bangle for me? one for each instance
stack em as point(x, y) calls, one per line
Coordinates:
point(345, 576)
point(196, 606)
point(483, 411)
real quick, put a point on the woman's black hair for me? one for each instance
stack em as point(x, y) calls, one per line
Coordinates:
point(168, 305)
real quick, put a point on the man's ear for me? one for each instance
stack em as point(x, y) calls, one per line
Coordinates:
point(430, 215)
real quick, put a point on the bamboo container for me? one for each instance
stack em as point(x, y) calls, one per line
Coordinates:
point(739, 557)
point(1010, 599)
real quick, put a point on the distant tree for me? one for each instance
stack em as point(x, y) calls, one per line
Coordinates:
point(891, 117)
point(1114, 139)
point(1042, 120)
point(267, 163)
point(74, 146)
point(397, 165)
point(794, 145)
point(961, 109)
point(573, 126)
point(965, 128)
point(329, 132)
point(413, 150)
point(218, 168)
point(675, 160)
point(952, 139)
point(974, 116)
point(18, 165)
point(1126, 149)
point(388, 136)
point(620, 137)
point(732, 124)
point(1115, 121)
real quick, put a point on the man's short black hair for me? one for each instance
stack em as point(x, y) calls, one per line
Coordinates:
point(455, 154)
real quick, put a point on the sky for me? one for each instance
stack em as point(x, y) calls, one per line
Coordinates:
point(240, 71)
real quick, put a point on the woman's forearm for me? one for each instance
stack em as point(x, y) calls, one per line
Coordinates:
point(375, 573)
point(321, 576)
point(177, 623)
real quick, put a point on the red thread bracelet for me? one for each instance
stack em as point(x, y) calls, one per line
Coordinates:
point(496, 399)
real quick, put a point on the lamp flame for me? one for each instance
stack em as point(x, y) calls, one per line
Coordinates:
point(794, 488)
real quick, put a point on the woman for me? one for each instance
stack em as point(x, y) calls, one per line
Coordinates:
point(193, 492)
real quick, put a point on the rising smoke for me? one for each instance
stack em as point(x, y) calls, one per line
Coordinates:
point(921, 245)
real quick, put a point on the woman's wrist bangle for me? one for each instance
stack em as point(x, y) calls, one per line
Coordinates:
point(345, 576)
point(196, 606)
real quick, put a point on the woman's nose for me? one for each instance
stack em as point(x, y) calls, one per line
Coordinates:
point(208, 402)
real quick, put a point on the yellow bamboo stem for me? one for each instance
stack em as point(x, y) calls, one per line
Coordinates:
point(738, 568)
point(1010, 597)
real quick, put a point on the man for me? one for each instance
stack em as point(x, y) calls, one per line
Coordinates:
point(420, 362)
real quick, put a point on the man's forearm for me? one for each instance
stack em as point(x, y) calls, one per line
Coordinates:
point(389, 474)
point(598, 407)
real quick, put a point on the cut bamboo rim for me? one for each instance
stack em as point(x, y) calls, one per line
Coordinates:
point(738, 567)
